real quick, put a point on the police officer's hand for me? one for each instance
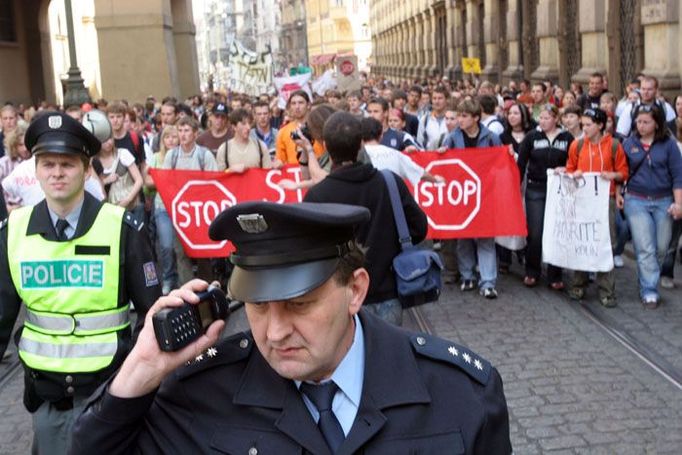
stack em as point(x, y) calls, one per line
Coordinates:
point(147, 365)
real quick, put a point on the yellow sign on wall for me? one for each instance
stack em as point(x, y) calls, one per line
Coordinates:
point(471, 65)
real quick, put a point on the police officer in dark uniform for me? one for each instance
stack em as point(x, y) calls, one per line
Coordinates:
point(316, 373)
point(75, 263)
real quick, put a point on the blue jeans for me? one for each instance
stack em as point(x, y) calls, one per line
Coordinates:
point(535, 219)
point(651, 227)
point(622, 234)
point(165, 235)
point(669, 262)
point(467, 252)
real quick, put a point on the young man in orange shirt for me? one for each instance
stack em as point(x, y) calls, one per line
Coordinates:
point(298, 107)
point(596, 155)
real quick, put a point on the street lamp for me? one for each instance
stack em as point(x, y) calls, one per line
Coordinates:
point(76, 93)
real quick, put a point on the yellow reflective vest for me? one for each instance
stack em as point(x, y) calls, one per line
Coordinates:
point(70, 290)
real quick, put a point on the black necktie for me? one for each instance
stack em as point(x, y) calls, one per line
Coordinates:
point(322, 396)
point(61, 226)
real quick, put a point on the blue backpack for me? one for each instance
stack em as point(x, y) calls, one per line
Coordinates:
point(417, 271)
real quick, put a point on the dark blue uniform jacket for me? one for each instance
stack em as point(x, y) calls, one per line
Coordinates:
point(421, 395)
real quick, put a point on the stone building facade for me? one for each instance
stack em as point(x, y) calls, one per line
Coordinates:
point(143, 48)
point(338, 27)
point(561, 40)
point(293, 37)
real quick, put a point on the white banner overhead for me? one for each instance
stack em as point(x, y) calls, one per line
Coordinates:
point(250, 72)
point(289, 84)
point(576, 230)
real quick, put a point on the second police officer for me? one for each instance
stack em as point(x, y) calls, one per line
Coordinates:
point(75, 263)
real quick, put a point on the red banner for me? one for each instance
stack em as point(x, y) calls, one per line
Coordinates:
point(480, 197)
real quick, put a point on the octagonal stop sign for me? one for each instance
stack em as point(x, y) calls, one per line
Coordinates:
point(451, 205)
point(193, 209)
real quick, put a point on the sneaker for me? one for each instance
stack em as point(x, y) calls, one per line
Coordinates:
point(557, 285)
point(618, 261)
point(489, 293)
point(467, 285)
point(576, 293)
point(650, 303)
point(608, 302)
point(667, 282)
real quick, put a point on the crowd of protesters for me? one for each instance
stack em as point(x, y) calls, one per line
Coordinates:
point(633, 139)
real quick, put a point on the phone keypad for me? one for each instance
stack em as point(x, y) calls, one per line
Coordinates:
point(184, 327)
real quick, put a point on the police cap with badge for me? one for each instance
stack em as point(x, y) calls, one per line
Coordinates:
point(55, 132)
point(285, 250)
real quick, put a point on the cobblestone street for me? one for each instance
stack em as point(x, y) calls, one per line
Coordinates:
point(571, 386)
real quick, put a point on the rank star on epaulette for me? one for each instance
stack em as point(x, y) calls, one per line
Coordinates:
point(466, 357)
point(453, 350)
point(478, 364)
point(211, 352)
point(199, 358)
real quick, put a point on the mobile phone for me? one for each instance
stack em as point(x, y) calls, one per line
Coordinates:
point(177, 327)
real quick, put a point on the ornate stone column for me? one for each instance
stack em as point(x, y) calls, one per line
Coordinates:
point(185, 47)
point(451, 41)
point(472, 30)
point(547, 27)
point(595, 50)
point(419, 40)
point(662, 43)
point(491, 31)
point(460, 37)
point(432, 49)
point(514, 70)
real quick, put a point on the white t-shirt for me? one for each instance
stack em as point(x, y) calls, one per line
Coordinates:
point(383, 157)
point(23, 186)
point(494, 124)
point(124, 157)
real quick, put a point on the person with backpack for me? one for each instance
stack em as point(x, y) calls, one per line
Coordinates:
point(489, 118)
point(432, 129)
point(191, 156)
point(600, 152)
point(242, 151)
point(542, 149)
point(130, 141)
point(648, 93)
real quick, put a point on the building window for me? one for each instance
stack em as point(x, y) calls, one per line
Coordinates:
point(7, 30)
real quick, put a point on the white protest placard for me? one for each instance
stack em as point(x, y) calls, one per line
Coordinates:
point(250, 72)
point(576, 229)
point(287, 85)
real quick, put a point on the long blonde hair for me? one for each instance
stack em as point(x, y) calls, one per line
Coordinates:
point(12, 140)
point(167, 130)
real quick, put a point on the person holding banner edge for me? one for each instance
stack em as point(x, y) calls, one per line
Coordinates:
point(542, 149)
point(598, 153)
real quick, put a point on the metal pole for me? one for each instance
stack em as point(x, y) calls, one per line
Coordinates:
point(76, 93)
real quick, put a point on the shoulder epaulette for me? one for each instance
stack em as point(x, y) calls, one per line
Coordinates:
point(230, 350)
point(132, 221)
point(3, 223)
point(446, 351)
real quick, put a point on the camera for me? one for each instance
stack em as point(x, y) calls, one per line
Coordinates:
point(304, 131)
point(177, 327)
